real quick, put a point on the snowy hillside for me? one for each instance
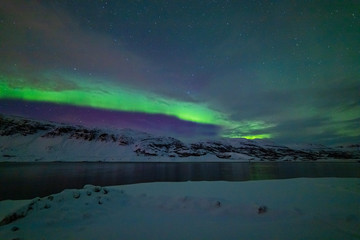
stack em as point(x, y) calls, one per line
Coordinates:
point(29, 140)
point(322, 208)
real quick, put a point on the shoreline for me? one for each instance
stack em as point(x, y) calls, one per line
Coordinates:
point(303, 208)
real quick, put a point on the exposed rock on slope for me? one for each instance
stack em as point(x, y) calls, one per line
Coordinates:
point(28, 140)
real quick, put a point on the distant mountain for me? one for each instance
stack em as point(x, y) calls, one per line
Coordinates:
point(28, 140)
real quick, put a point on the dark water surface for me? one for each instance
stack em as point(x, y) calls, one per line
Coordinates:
point(29, 180)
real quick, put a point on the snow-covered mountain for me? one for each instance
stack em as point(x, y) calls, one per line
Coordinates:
point(28, 140)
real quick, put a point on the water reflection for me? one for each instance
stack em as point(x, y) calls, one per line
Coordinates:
point(263, 171)
point(28, 180)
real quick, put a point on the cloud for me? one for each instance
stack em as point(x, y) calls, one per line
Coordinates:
point(46, 37)
point(290, 78)
point(39, 37)
point(39, 81)
point(248, 129)
point(317, 129)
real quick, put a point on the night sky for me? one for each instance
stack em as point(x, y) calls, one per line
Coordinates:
point(284, 70)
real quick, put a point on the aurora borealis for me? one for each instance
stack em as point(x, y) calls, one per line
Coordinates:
point(107, 97)
point(284, 70)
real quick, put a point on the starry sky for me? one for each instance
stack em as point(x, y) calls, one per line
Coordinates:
point(284, 70)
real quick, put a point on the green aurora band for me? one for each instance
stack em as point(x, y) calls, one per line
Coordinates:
point(103, 95)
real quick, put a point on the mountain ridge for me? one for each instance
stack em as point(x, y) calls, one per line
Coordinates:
point(23, 139)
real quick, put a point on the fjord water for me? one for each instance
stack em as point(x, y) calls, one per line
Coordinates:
point(29, 180)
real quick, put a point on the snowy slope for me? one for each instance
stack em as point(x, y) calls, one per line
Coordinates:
point(323, 208)
point(29, 140)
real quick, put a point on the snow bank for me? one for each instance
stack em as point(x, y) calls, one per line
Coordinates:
point(326, 208)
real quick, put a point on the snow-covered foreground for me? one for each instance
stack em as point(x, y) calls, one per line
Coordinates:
point(326, 208)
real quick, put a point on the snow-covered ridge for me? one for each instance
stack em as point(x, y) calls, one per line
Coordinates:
point(28, 140)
